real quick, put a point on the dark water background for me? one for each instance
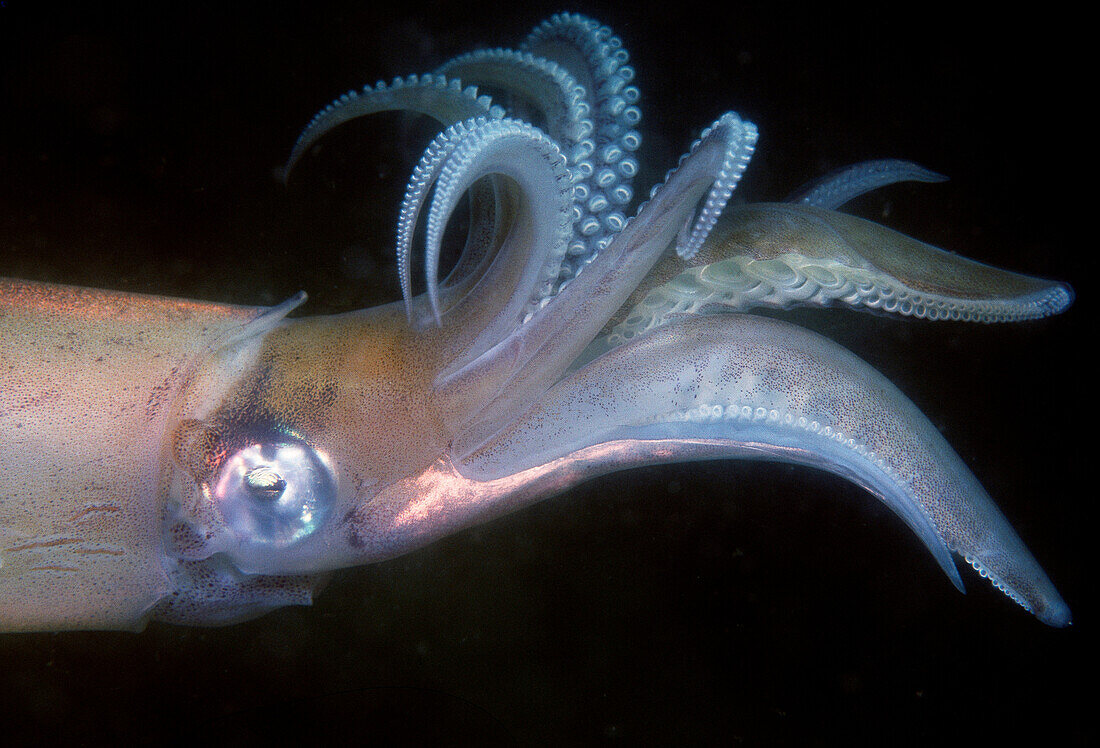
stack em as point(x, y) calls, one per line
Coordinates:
point(732, 603)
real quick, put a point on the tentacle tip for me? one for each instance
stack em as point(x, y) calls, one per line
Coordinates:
point(1056, 613)
point(952, 573)
point(1051, 299)
point(685, 249)
point(927, 175)
point(1062, 298)
point(283, 174)
point(684, 252)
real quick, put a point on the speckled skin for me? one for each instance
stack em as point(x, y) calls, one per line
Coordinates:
point(116, 410)
point(87, 380)
point(119, 414)
point(104, 517)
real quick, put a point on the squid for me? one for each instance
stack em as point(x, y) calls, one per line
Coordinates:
point(202, 464)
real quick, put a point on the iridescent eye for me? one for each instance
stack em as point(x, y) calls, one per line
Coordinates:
point(273, 493)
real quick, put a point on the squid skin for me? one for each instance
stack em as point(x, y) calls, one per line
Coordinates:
point(87, 379)
point(202, 464)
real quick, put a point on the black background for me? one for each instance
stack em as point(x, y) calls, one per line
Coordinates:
point(734, 603)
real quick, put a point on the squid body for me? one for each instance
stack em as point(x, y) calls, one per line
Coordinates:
point(202, 464)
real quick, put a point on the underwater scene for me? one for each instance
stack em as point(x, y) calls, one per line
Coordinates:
point(719, 601)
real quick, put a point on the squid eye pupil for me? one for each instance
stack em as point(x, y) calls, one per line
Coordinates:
point(264, 483)
point(273, 493)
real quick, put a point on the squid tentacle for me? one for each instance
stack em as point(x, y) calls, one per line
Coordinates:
point(423, 177)
point(550, 87)
point(786, 255)
point(523, 153)
point(603, 179)
point(737, 159)
point(512, 373)
point(753, 387)
point(597, 60)
point(443, 99)
point(845, 184)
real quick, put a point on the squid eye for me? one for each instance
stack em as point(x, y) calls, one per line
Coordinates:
point(273, 494)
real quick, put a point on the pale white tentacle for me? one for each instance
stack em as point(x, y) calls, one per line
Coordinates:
point(423, 177)
point(741, 139)
point(523, 153)
point(598, 61)
point(434, 95)
point(845, 184)
point(752, 387)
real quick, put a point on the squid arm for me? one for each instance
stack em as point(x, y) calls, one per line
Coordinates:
point(742, 386)
point(783, 255)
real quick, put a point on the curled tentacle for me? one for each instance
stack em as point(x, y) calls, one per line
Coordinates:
point(597, 60)
point(524, 154)
point(509, 375)
point(416, 192)
point(548, 86)
point(849, 182)
point(446, 100)
point(741, 141)
point(603, 179)
point(434, 95)
point(437, 96)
